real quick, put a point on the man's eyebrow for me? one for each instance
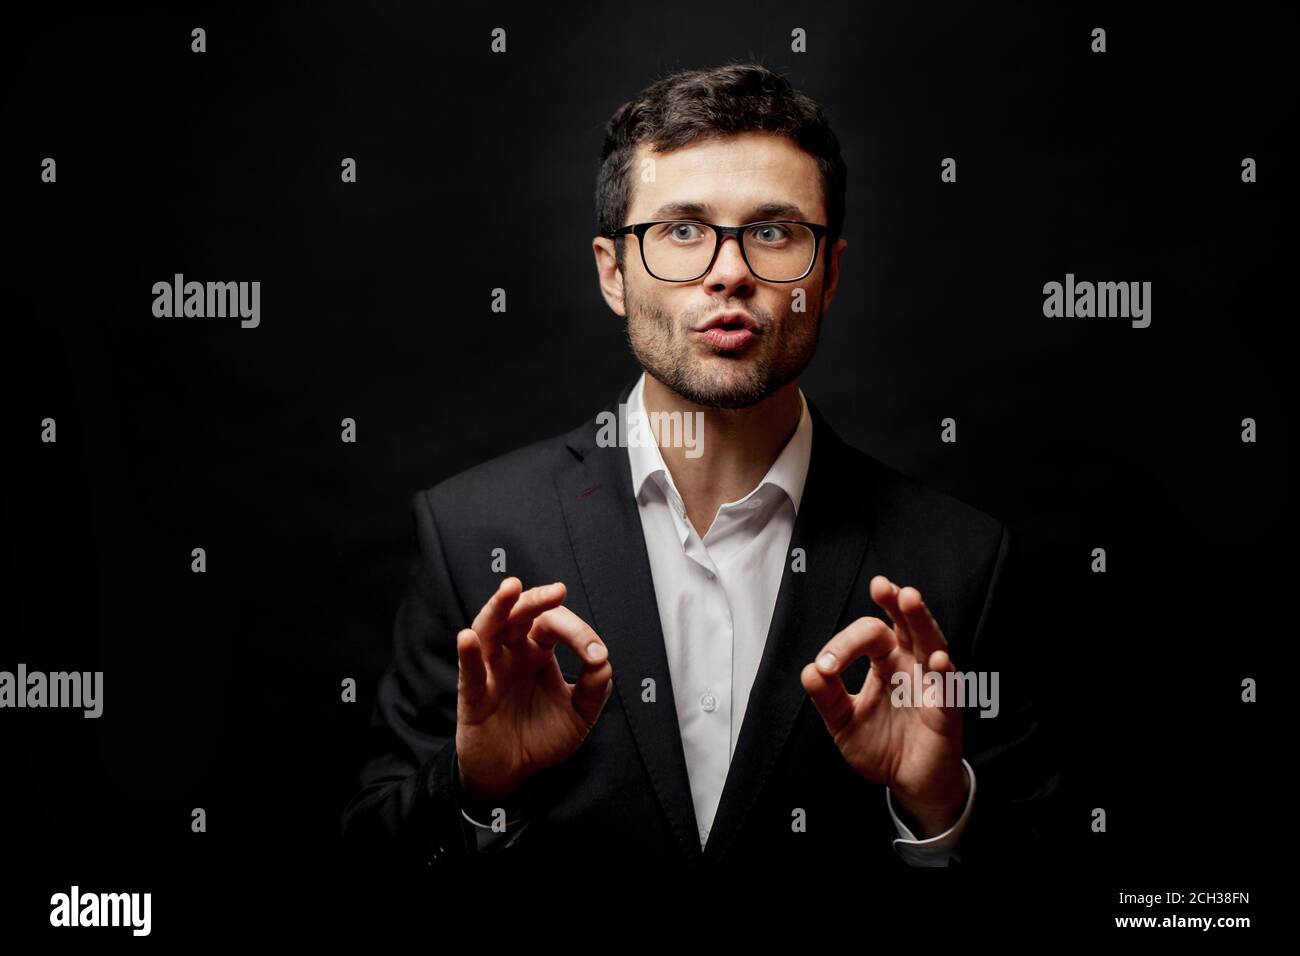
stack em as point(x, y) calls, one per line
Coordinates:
point(701, 210)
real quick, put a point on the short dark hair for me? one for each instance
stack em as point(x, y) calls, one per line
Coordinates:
point(693, 105)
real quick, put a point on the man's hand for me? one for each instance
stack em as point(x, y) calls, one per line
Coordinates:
point(515, 713)
point(915, 751)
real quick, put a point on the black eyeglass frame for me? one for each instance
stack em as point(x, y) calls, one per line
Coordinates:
point(720, 235)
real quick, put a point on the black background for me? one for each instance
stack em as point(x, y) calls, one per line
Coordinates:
point(477, 171)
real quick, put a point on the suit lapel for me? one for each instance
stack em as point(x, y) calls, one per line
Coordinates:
point(832, 528)
point(609, 548)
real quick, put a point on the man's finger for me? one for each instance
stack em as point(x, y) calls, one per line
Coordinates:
point(494, 614)
point(829, 695)
point(925, 630)
point(867, 635)
point(509, 613)
point(822, 680)
point(596, 679)
point(530, 604)
point(594, 685)
point(472, 673)
point(944, 719)
point(560, 625)
point(885, 593)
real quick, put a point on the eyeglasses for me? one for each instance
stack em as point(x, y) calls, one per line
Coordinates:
point(683, 250)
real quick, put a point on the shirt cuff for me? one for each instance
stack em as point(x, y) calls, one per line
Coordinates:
point(486, 838)
point(935, 850)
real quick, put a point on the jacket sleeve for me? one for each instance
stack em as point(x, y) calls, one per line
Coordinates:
point(1015, 755)
point(407, 802)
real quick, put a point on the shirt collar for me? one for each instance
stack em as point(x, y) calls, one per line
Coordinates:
point(789, 472)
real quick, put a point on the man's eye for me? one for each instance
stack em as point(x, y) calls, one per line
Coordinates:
point(685, 231)
point(769, 234)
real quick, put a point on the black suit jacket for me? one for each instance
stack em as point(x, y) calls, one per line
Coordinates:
point(563, 509)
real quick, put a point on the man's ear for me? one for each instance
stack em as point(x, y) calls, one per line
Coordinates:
point(607, 272)
point(832, 272)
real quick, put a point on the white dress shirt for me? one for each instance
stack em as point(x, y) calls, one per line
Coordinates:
point(716, 596)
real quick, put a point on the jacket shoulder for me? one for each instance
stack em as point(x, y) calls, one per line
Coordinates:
point(907, 505)
point(518, 481)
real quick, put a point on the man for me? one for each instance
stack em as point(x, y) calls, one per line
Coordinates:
point(710, 664)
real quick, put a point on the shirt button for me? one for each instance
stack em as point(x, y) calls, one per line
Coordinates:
point(708, 703)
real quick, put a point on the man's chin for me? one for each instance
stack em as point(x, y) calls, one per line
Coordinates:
point(723, 391)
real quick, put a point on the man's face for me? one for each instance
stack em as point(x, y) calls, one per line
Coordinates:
point(729, 181)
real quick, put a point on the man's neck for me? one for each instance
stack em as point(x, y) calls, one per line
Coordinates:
point(739, 444)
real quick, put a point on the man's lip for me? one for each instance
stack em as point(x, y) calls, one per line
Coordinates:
point(727, 340)
point(739, 319)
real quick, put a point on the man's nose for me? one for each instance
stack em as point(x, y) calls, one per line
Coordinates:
point(729, 272)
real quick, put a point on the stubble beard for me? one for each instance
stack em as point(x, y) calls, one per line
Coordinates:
point(663, 344)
